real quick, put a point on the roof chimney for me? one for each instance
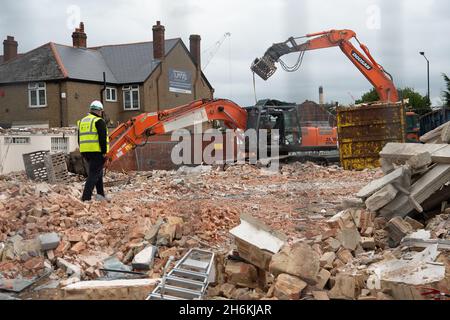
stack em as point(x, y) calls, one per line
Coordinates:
point(195, 40)
point(79, 37)
point(159, 49)
point(9, 48)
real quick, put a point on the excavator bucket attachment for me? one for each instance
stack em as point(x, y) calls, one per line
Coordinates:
point(264, 67)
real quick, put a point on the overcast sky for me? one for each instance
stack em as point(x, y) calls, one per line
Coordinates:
point(394, 30)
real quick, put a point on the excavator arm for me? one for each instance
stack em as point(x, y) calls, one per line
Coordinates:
point(366, 64)
point(136, 131)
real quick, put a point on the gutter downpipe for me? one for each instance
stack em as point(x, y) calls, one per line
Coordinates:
point(61, 122)
point(157, 87)
point(102, 91)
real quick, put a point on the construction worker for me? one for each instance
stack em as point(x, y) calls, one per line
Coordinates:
point(94, 145)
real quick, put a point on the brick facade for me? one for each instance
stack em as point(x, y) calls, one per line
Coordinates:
point(154, 96)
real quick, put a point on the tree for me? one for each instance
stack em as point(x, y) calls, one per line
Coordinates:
point(370, 96)
point(418, 103)
point(446, 93)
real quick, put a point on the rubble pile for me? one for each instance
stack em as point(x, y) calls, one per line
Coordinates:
point(322, 242)
point(355, 259)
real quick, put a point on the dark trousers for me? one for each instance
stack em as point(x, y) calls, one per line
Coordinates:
point(95, 161)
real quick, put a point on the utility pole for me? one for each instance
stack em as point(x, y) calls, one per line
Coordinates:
point(428, 76)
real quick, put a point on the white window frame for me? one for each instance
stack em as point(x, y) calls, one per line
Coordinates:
point(131, 89)
point(17, 140)
point(59, 144)
point(37, 87)
point(110, 90)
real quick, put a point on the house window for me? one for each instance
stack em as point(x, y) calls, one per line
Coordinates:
point(59, 144)
point(37, 95)
point(131, 98)
point(17, 140)
point(111, 94)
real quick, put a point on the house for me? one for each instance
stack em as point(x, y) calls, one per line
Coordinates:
point(53, 85)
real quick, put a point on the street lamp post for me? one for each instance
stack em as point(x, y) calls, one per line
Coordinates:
point(428, 75)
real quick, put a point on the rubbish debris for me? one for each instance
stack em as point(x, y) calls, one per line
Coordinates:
point(296, 234)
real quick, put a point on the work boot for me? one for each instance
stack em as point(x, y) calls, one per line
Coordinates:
point(102, 198)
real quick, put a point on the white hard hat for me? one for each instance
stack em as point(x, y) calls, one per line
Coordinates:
point(97, 105)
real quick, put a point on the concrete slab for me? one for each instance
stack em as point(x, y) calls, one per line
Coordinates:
point(256, 242)
point(440, 153)
point(378, 184)
point(381, 198)
point(144, 259)
point(49, 241)
point(424, 188)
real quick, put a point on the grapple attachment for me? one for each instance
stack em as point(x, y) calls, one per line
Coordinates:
point(264, 67)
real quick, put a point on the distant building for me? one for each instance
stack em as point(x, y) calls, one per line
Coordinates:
point(316, 115)
point(53, 85)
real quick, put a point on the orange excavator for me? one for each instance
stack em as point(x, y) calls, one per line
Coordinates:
point(136, 131)
point(374, 72)
point(364, 61)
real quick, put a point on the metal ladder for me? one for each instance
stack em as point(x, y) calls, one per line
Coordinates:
point(188, 280)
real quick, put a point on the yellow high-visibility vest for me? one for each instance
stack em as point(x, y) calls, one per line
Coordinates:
point(89, 136)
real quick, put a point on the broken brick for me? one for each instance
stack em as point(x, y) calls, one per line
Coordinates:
point(288, 287)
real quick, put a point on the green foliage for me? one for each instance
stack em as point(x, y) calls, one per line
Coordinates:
point(446, 93)
point(418, 103)
point(370, 96)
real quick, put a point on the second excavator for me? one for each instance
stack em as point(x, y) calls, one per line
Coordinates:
point(366, 64)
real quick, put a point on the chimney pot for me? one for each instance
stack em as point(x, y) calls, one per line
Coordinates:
point(195, 49)
point(79, 37)
point(9, 48)
point(159, 49)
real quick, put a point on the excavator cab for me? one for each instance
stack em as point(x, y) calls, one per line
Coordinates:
point(276, 115)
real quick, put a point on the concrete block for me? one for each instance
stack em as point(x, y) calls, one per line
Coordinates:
point(420, 160)
point(327, 259)
point(256, 242)
point(404, 151)
point(298, 260)
point(288, 287)
point(445, 135)
point(375, 185)
point(322, 279)
point(423, 189)
point(349, 238)
point(144, 259)
point(387, 166)
point(332, 244)
point(381, 198)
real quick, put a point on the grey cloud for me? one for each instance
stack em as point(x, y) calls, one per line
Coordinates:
point(407, 27)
